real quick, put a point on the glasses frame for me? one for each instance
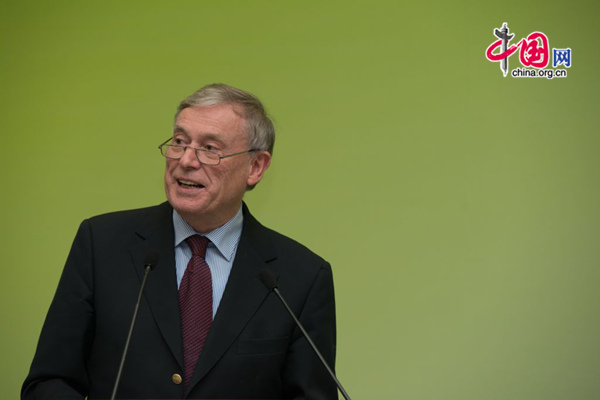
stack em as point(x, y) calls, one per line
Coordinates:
point(196, 150)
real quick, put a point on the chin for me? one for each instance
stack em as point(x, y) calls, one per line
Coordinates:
point(185, 207)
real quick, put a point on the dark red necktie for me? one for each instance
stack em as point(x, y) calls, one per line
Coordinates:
point(195, 305)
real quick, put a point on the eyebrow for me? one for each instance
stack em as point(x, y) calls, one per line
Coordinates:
point(204, 135)
point(180, 129)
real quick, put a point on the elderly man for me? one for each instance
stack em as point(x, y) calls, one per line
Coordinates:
point(207, 327)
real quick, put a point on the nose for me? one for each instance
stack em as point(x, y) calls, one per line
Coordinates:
point(188, 158)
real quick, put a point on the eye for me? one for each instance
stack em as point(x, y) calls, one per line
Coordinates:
point(178, 141)
point(211, 148)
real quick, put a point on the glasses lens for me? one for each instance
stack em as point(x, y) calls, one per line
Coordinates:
point(207, 157)
point(171, 151)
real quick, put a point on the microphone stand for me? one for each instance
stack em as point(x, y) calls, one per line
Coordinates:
point(147, 270)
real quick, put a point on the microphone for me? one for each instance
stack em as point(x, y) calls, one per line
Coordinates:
point(149, 263)
point(268, 279)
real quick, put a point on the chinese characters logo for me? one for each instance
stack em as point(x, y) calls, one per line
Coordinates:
point(534, 51)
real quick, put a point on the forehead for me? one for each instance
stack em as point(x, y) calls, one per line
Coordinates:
point(215, 121)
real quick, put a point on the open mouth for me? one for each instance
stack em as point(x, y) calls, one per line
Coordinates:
point(189, 184)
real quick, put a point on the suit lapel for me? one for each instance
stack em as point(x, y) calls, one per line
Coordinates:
point(243, 295)
point(161, 288)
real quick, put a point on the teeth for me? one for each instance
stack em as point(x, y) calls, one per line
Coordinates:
point(189, 183)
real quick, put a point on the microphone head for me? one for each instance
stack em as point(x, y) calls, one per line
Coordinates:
point(151, 259)
point(268, 278)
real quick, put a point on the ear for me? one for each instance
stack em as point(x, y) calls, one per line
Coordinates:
point(258, 165)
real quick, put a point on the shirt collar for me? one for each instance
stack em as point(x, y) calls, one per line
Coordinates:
point(225, 238)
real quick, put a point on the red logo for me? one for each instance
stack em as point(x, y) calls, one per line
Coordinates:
point(535, 51)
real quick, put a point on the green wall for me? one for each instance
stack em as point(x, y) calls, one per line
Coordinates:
point(459, 208)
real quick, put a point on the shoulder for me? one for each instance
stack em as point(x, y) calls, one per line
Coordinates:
point(291, 248)
point(123, 228)
point(305, 277)
point(133, 217)
point(281, 250)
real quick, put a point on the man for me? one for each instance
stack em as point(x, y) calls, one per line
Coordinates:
point(236, 340)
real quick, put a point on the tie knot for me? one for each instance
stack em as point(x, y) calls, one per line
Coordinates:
point(198, 245)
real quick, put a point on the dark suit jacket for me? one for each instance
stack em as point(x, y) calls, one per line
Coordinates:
point(253, 350)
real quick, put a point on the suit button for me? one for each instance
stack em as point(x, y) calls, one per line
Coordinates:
point(176, 378)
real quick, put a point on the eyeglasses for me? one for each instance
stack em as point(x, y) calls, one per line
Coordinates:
point(206, 157)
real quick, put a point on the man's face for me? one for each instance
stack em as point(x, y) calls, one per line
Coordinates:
point(207, 196)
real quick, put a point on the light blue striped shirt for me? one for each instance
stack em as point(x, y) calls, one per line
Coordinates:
point(219, 254)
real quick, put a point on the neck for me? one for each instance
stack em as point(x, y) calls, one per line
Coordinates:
point(205, 224)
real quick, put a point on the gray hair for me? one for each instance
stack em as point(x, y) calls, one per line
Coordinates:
point(259, 127)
